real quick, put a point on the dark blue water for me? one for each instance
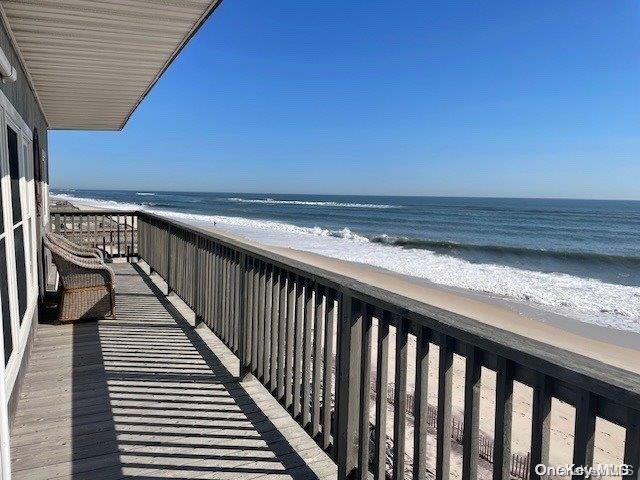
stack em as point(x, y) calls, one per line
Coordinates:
point(585, 238)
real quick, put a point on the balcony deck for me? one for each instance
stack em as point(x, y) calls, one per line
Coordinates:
point(148, 396)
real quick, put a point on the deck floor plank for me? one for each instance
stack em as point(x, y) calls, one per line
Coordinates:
point(148, 396)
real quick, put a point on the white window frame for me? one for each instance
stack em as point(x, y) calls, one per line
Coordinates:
point(19, 330)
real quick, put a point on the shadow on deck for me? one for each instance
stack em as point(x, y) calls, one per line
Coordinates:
point(148, 396)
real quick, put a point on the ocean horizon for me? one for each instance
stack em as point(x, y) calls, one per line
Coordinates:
point(578, 258)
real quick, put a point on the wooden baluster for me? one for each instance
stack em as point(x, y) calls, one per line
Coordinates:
point(443, 434)
point(244, 323)
point(249, 312)
point(365, 392)
point(290, 335)
point(256, 317)
point(306, 355)
point(208, 289)
point(541, 424)
point(282, 334)
point(327, 383)
point(215, 303)
point(503, 420)
point(268, 321)
point(471, 426)
point(421, 405)
point(118, 225)
point(400, 397)
point(382, 368)
point(227, 303)
point(262, 284)
point(318, 336)
point(299, 333)
point(585, 430)
point(275, 309)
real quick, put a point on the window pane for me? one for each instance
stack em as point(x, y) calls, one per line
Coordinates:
point(4, 293)
point(30, 251)
point(14, 168)
point(21, 271)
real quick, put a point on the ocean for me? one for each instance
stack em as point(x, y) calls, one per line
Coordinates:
point(579, 258)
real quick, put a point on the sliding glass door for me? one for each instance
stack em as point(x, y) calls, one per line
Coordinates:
point(18, 281)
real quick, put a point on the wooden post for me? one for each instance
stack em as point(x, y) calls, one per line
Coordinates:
point(349, 359)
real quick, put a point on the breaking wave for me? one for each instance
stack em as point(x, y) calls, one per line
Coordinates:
point(586, 299)
point(454, 247)
point(271, 201)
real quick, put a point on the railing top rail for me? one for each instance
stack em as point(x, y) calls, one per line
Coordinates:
point(611, 382)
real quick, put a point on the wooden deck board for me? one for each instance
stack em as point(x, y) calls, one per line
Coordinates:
point(147, 396)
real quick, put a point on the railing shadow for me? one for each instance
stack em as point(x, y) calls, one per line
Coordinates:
point(93, 434)
point(171, 408)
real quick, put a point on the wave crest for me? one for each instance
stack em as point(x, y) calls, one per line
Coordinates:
point(586, 299)
point(272, 201)
point(442, 246)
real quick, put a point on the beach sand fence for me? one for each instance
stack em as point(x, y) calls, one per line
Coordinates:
point(520, 464)
point(113, 232)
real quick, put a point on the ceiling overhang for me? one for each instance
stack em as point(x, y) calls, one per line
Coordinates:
point(92, 62)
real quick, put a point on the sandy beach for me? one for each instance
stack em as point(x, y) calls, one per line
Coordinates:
point(614, 348)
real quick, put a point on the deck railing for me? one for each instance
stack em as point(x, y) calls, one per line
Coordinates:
point(307, 334)
point(114, 232)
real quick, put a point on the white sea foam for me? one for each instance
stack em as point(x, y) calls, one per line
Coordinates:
point(93, 202)
point(271, 201)
point(589, 300)
point(146, 194)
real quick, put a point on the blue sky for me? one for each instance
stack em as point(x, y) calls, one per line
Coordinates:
point(532, 99)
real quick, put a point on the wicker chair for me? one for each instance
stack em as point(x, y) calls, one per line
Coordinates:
point(86, 289)
point(74, 248)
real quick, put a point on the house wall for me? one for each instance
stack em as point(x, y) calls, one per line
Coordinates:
point(22, 98)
